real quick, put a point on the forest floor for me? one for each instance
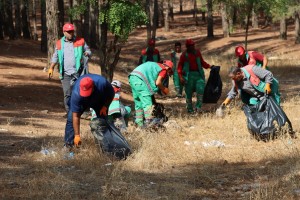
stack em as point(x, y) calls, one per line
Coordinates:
point(200, 157)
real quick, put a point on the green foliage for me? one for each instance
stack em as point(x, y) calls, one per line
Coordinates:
point(122, 17)
point(77, 10)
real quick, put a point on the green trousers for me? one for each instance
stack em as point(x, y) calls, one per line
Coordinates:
point(177, 84)
point(194, 83)
point(142, 100)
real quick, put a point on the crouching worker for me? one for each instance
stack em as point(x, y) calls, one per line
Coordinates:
point(252, 82)
point(145, 81)
point(90, 91)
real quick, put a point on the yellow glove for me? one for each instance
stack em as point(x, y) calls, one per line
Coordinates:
point(165, 91)
point(268, 88)
point(103, 111)
point(226, 102)
point(50, 72)
point(77, 141)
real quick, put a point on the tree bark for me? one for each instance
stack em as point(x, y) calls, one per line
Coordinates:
point(180, 6)
point(93, 26)
point(52, 24)
point(61, 16)
point(225, 24)
point(171, 10)
point(8, 20)
point(77, 20)
point(25, 22)
point(297, 27)
point(1, 23)
point(44, 27)
point(35, 35)
point(283, 28)
point(152, 12)
point(86, 30)
point(210, 20)
point(195, 11)
point(166, 9)
point(254, 19)
point(17, 19)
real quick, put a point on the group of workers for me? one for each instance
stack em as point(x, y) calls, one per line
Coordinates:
point(251, 80)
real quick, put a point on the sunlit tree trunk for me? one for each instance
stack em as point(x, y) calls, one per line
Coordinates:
point(283, 28)
point(225, 24)
point(297, 27)
point(152, 12)
point(166, 9)
point(254, 19)
point(35, 35)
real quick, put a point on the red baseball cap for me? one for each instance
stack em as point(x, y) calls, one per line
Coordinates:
point(68, 27)
point(86, 86)
point(239, 51)
point(189, 42)
point(151, 42)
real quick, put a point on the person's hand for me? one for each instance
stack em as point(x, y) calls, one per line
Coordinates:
point(268, 88)
point(50, 72)
point(103, 111)
point(165, 91)
point(77, 141)
point(226, 102)
point(182, 81)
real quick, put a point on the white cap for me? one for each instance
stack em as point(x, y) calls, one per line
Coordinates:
point(116, 83)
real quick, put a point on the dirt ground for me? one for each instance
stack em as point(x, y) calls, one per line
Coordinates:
point(31, 118)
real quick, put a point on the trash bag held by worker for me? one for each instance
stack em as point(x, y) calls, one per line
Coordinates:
point(266, 119)
point(213, 87)
point(158, 111)
point(109, 138)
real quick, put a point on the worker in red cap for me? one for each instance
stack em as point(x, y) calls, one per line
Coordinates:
point(191, 74)
point(89, 91)
point(150, 53)
point(71, 53)
point(175, 56)
point(250, 58)
point(146, 80)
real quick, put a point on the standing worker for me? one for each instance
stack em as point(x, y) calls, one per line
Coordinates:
point(150, 53)
point(145, 80)
point(191, 74)
point(90, 91)
point(250, 58)
point(175, 56)
point(69, 53)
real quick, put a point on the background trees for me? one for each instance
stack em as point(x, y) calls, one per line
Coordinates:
point(106, 24)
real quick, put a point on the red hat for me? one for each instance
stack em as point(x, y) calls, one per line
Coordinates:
point(189, 42)
point(151, 42)
point(86, 86)
point(68, 27)
point(168, 63)
point(239, 51)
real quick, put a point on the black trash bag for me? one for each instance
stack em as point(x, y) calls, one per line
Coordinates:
point(266, 119)
point(110, 139)
point(159, 111)
point(213, 87)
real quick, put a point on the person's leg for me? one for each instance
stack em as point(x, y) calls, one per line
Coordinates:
point(67, 90)
point(189, 93)
point(69, 131)
point(177, 84)
point(135, 83)
point(200, 85)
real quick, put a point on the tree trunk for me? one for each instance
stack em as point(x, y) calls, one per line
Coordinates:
point(44, 27)
point(297, 27)
point(17, 19)
point(8, 20)
point(180, 6)
point(86, 30)
point(71, 6)
point(25, 23)
point(93, 26)
point(283, 28)
point(61, 16)
point(52, 24)
point(254, 19)
point(1, 23)
point(225, 24)
point(210, 20)
point(167, 27)
point(160, 16)
point(77, 20)
point(195, 11)
point(171, 8)
point(152, 12)
point(35, 35)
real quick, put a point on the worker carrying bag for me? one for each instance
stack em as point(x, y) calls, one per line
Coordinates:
point(109, 138)
point(266, 119)
point(213, 87)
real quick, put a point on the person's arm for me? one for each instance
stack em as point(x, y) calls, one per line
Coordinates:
point(263, 74)
point(159, 82)
point(260, 57)
point(54, 61)
point(86, 50)
point(180, 67)
point(76, 123)
point(110, 93)
point(203, 63)
point(265, 62)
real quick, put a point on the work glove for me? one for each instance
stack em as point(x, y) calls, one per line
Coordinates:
point(103, 111)
point(165, 91)
point(50, 72)
point(77, 140)
point(268, 88)
point(226, 102)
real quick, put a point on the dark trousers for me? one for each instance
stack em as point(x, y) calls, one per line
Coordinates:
point(66, 85)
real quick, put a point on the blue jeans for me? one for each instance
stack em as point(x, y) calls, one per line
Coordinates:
point(69, 130)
